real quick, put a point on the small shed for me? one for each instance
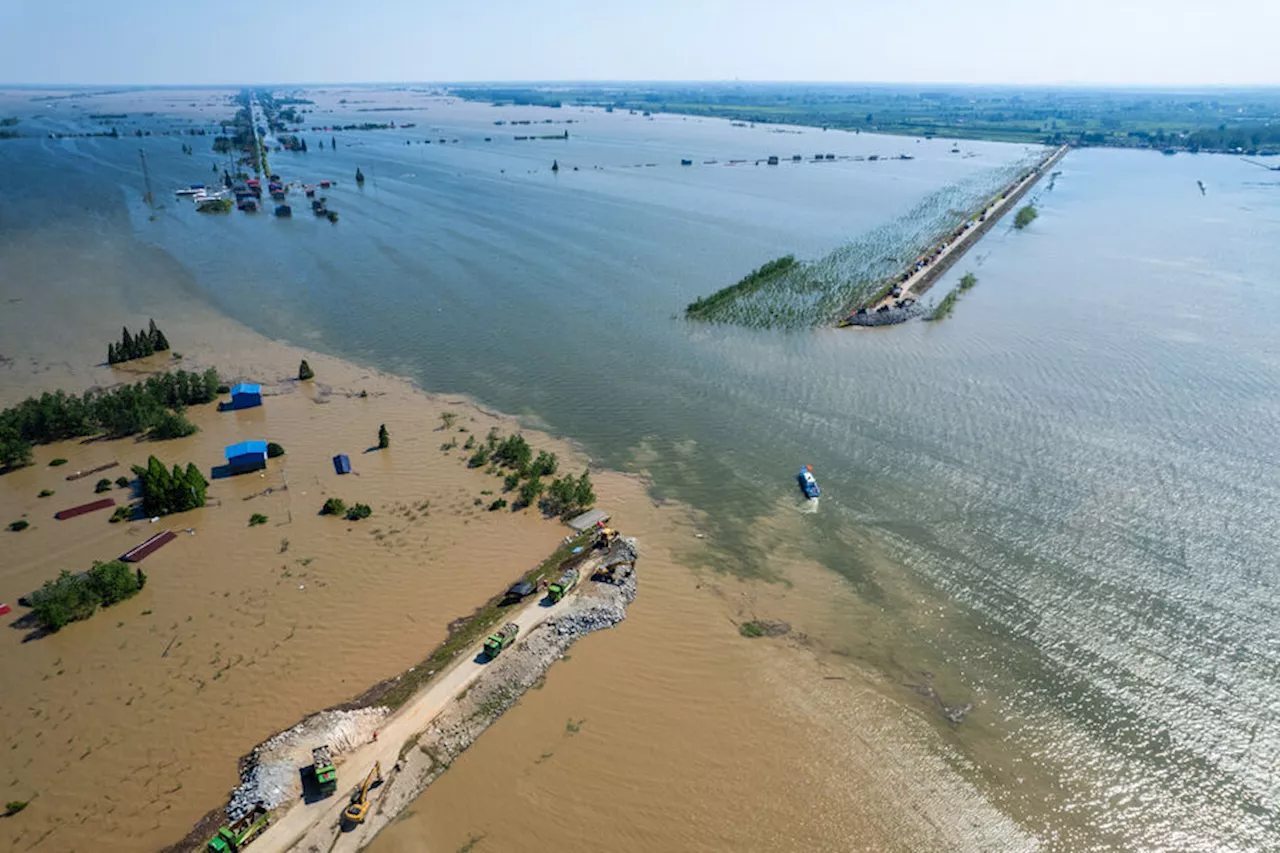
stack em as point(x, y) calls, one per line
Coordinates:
point(245, 396)
point(247, 455)
point(342, 464)
point(588, 520)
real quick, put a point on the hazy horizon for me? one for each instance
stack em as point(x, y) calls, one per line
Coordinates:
point(1096, 43)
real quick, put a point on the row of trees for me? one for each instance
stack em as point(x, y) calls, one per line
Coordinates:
point(140, 345)
point(564, 495)
point(165, 491)
point(155, 404)
point(73, 597)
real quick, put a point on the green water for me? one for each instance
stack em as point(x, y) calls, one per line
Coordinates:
point(1082, 458)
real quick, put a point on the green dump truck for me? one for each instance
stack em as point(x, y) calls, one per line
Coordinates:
point(561, 586)
point(234, 836)
point(500, 639)
point(326, 774)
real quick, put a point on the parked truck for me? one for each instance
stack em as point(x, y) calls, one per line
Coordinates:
point(560, 587)
point(326, 774)
point(234, 836)
point(500, 639)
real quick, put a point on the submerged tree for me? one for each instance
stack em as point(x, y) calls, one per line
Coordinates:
point(359, 176)
point(305, 372)
point(384, 438)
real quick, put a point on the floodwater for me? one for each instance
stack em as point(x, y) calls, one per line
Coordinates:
point(1056, 505)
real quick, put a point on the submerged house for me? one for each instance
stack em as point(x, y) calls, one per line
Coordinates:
point(246, 456)
point(245, 396)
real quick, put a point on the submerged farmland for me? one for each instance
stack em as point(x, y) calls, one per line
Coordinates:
point(804, 294)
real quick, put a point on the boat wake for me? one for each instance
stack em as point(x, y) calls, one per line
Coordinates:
point(810, 505)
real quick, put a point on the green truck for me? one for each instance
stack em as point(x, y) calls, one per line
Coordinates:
point(234, 836)
point(326, 774)
point(500, 639)
point(561, 586)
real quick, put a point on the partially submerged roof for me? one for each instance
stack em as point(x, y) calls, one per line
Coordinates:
point(245, 388)
point(342, 464)
point(246, 447)
point(588, 519)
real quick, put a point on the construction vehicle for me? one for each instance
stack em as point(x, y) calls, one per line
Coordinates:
point(322, 767)
point(618, 563)
point(605, 537)
point(560, 587)
point(500, 639)
point(234, 836)
point(355, 813)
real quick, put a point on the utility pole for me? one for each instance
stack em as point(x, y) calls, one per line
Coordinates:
point(146, 177)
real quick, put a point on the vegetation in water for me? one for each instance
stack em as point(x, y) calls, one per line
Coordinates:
point(384, 438)
point(165, 491)
point(1025, 217)
point(333, 506)
point(126, 410)
point(359, 176)
point(103, 485)
point(18, 526)
point(44, 493)
point(818, 292)
point(122, 513)
point(948, 303)
point(706, 307)
point(256, 519)
point(497, 505)
point(274, 451)
point(569, 495)
point(54, 463)
point(140, 345)
point(122, 481)
point(480, 458)
point(71, 598)
point(305, 372)
point(530, 491)
point(355, 512)
point(12, 807)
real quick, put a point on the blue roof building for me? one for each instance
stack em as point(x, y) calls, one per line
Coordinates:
point(342, 464)
point(247, 455)
point(245, 396)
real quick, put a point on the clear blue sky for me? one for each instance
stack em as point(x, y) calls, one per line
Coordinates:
point(1158, 42)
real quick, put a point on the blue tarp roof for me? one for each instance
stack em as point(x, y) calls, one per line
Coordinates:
point(245, 388)
point(245, 447)
point(342, 464)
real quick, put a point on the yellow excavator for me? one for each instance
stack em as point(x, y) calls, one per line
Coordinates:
point(359, 807)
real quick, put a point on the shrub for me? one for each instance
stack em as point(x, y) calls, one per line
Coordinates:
point(54, 463)
point(471, 443)
point(510, 482)
point(448, 419)
point(497, 505)
point(274, 450)
point(122, 481)
point(256, 519)
point(333, 506)
point(513, 452)
point(545, 465)
point(122, 513)
point(530, 491)
point(305, 372)
point(168, 425)
point(1025, 217)
point(44, 493)
point(12, 807)
point(18, 526)
point(358, 511)
point(103, 485)
point(384, 438)
point(224, 389)
point(479, 459)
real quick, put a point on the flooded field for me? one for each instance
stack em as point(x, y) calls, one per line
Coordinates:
point(1052, 508)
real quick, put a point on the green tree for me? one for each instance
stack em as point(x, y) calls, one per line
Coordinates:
point(545, 465)
point(333, 506)
point(1025, 217)
point(103, 485)
point(112, 582)
point(305, 372)
point(530, 491)
point(384, 438)
point(62, 601)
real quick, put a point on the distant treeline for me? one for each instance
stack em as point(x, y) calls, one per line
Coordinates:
point(71, 598)
point(705, 308)
point(155, 405)
point(165, 491)
point(140, 345)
